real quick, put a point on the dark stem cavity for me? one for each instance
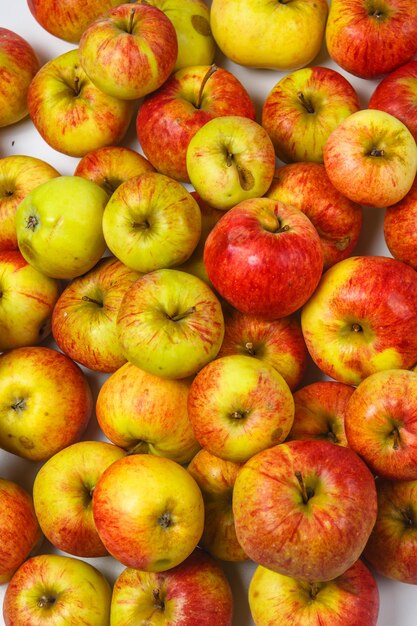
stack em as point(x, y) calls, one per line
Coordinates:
point(250, 349)
point(46, 601)
point(180, 316)
point(357, 328)
point(376, 152)
point(238, 415)
point(305, 102)
point(158, 602)
point(396, 438)
point(92, 300)
point(306, 492)
point(19, 405)
point(165, 520)
point(32, 222)
point(408, 517)
point(141, 225)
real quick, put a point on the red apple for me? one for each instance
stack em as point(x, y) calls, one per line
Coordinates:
point(264, 257)
point(400, 232)
point(170, 117)
point(305, 509)
point(338, 221)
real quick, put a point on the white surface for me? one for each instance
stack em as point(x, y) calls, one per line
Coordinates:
point(398, 601)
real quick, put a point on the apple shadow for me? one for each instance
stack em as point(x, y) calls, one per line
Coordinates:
point(239, 576)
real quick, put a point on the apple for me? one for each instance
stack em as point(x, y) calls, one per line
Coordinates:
point(62, 493)
point(170, 324)
point(369, 39)
point(278, 342)
point(70, 113)
point(264, 258)
point(351, 598)
point(19, 174)
point(130, 51)
point(399, 228)
point(396, 94)
point(18, 65)
point(380, 423)
point(279, 35)
point(348, 322)
point(303, 108)
point(230, 159)
point(305, 509)
point(151, 222)
point(57, 588)
point(27, 302)
point(338, 220)
point(191, 20)
point(371, 158)
point(144, 413)
point(110, 166)
point(392, 546)
point(148, 511)
point(239, 406)
point(59, 226)
point(68, 19)
point(45, 402)
point(169, 117)
point(19, 528)
point(194, 592)
point(84, 316)
point(216, 479)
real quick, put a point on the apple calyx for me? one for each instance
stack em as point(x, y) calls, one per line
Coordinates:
point(141, 225)
point(307, 104)
point(377, 152)
point(159, 603)
point(46, 601)
point(306, 492)
point(32, 222)
point(357, 328)
point(19, 405)
point(165, 520)
point(250, 348)
point(246, 178)
point(408, 517)
point(212, 69)
point(238, 415)
point(180, 316)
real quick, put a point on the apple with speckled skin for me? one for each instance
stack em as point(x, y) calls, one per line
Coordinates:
point(303, 108)
point(400, 228)
point(19, 527)
point(264, 258)
point(18, 65)
point(59, 589)
point(168, 118)
point(351, 598)
point(149, 512)
point(338, 221)
point(130, 51)
point(305, 508)
point(238, 406)
point(362, 318)
point(46, 402)
point(196, 591)
point(70, 113)
point(147, 414)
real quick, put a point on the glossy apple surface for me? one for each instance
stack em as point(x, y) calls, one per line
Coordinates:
point(399, 228)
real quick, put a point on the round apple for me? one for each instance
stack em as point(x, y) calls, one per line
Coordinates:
point(399, 228)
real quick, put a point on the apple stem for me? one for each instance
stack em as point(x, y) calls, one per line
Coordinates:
point(88, 299)
point(180, 316)
point(77, 85)
point(306, 492)
point(32, 222)
point(249, 348)
point(306, 103)
point(159, 603)
point(357, 328)
point(131, 18)
point(314, 590)
point(208, 74)
point(396, 436)
point(45, 601)
point(141, 447)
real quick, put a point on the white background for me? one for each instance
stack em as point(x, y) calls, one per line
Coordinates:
point(398, 600)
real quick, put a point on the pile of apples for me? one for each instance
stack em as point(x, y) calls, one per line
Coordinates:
point(200, 370)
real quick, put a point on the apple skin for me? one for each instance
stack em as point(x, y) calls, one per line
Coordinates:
point(70, 113)
point(238, 406)
point(170, 324)
point(130, 51)
point(19, 528)
point(152, 222)
point(85, 314)
point(396, 94)
point(18, 63)
point(68, 19)
point(62, 493)
point(278, 342)
point(319, 411)
point(299, 26)
point(399, 228)
point(351, 598)
point(169, 117)
point(264, 258)
point(149, 512)
point(305, 509)
point(19, 175)
point(46, 402)
point(143, 413)
point(371, 158)
point(216, 479)
point(191, 20)
point(338, 220)
point(27, 301)
point(392, 546)
point(194, 592)
point(110, 166)
point(57, 588)
point(369, 40)
point(353, 325)
point(303, 108)
point(380, 423)
point(59, 226)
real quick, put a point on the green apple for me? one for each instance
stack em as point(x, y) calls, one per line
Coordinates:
point(59, 226)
